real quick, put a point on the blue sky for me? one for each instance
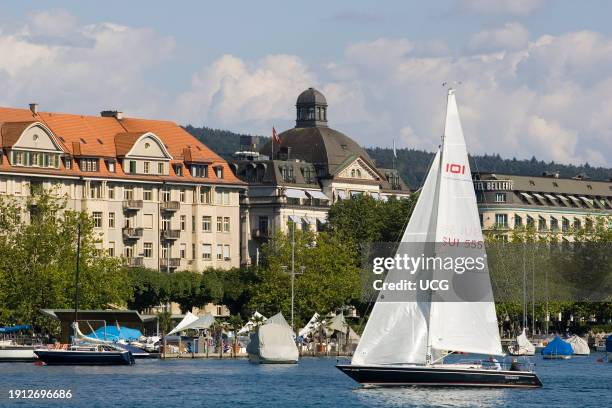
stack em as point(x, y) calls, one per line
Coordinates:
point(536, 74)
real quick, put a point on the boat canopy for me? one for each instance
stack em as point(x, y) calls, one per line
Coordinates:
point(15, 329)
point(256, 318)
point(274, 342)
point(114, 333)
point(579, 345)
point(558, 347)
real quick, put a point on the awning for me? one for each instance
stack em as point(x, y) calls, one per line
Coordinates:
point(294, 193)
point(551, 197)
point(341, 194)
point(375, 195)
point(310, 220)
point(540, 198)
point(317, 194)
point(322, 220)
point(528, 197)
point(295, 218)
point(575, 200)
point(587, 201)
point(564, 199)
point(356, 193)
point(384, 198)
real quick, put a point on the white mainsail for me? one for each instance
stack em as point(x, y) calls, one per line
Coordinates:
point(407, 331)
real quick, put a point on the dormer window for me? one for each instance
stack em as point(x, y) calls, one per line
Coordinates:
point(68, 162)
point(178, 169)
point(132, 166)
point(199, 170)
point(111, 166)
point(219, 172)
point(89, 165)
point(160, 168)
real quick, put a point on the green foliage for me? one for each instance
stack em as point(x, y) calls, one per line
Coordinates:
point(330, 279)
point(37, 260)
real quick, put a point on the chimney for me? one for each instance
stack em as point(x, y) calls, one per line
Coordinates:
point(34, 108)
point(112, 114)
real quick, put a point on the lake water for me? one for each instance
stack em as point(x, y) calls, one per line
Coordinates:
point(579, 382)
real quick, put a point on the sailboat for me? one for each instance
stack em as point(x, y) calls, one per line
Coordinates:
point(273, 343)
point(407, 339)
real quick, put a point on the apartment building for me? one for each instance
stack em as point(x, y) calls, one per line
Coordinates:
point(158, 197)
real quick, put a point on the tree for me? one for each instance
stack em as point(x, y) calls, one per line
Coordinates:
point(37, 260)
point(330, 280)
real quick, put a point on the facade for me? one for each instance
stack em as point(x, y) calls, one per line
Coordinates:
point(158, 197)
point(548, 203)
point(300, 176)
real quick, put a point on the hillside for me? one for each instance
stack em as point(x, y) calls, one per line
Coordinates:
point(413, 164)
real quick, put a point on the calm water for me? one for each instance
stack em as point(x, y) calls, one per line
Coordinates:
point(580, 382)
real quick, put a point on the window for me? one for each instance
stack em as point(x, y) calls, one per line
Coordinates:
point(518, 221)
point(160, 168)
point(89, 165)
point(206, 252)
point(219, 224)
point(226, 197)
point(501, 220)
point(68, 163)
point(178, 169)
point(193, 224)
point(165, 224)
point(166, 195)
point(95, 190)
point(205, 194)
point(183, 222)
point(219, 252)
point(565, 225)
point(129, 251)
point(147, 221)
point(206, 223)
point(500, 197)
point(164, 253)
point(226, 224)
point(111, 192)
point(263, 224)
point(541, 224)
point(199, 170)
point(182, 195)
point(219, 172)
point(111, 248)
point(111, 166)
point(148, 250)
point(554, 224)
point(226, 252)
point(97, 219)
point(132, 166)
point(147, 194)
point(128, 193)
point(183, 251)
point(111, 220)
point(193, 251)
point(147, 167)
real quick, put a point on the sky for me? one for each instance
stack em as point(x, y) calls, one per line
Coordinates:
point(534, 77)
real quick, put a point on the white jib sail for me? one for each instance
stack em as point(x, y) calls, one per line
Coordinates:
point(468, 326)
point(396, 332)
point(524, 344)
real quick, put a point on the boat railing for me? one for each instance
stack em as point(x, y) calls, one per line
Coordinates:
point(503, 365)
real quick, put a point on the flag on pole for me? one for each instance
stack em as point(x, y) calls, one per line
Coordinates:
point(275, 137)
point(394, 150)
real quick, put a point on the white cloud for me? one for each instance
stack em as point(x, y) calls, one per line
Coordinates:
point(511, 7)
point(511, 37)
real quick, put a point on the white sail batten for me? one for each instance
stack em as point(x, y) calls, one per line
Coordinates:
point(396, 332)
point(469, 326)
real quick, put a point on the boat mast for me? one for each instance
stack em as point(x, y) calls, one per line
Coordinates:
point(76, 277)
point(429, 355)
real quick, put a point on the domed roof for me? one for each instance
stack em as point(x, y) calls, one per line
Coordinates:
point(320, 146)
point(311, 97)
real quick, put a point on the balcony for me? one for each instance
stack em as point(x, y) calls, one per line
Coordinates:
point(169, 263)
point(132, 233)
point(261, 233)
point(132, 205)
point(170, 234)
point(170, 206)
point(135, 262)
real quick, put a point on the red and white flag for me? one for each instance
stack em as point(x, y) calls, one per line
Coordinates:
point(275, 138)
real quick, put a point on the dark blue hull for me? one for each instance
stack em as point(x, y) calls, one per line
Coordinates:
point(388, 376)
point(69, 357)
